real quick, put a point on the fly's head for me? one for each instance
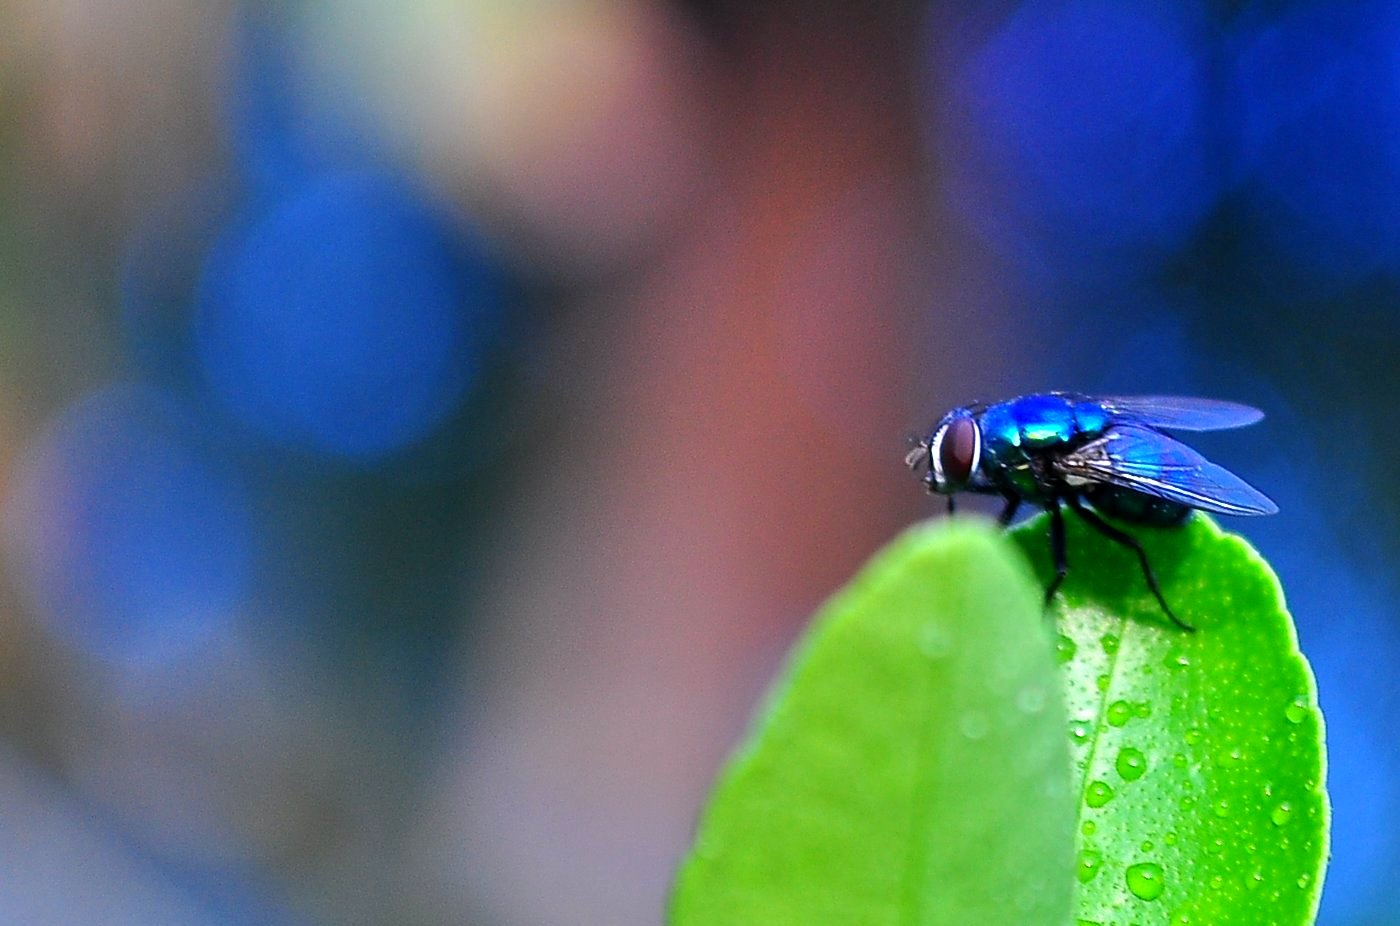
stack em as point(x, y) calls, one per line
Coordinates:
point(952, 453)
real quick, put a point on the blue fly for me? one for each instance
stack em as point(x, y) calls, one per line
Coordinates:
point(1097, 455)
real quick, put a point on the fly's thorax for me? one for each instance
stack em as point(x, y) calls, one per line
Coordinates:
point(1044, 421)
point(1041, 422)
point(1090, 418)
point(1024, 482)
point(1008, 470)
point(1025, 435)
point(1001, 433)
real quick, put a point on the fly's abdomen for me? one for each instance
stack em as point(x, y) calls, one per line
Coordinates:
point(1135, 507)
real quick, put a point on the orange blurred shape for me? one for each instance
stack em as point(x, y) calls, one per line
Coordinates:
point(578, 127)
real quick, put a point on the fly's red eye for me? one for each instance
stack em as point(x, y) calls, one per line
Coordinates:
point(957, 452)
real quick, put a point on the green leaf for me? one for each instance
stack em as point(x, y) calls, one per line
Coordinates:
point(912, 766)
point(1198, 758)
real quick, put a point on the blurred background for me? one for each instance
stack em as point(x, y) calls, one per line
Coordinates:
point(423, 426)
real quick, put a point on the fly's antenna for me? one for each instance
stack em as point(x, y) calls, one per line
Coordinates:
point(918, 452)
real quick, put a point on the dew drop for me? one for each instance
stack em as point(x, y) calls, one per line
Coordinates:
point(1179, 760)
point(974, 725)
point(1297, 711)
point(1145, 880)
point(1176, 660)
point(1216, 882)
point(1303, 881)
point(1282, 813)
point(1193, 736)
point(1119, 712)
point(1097, 794)
point(1147, 845)
point(1222, 807)
point(1089, 864)
point(1234, 757)
point(1182, 918)
point(1142, 710)
point(1079, 731)
point(1169, 839)
point(1254, 880)
point(1088, 827)
point(1065, 648)
point(1109, 642)
point(1215, 846)
point(1031, 700)
point(935, 642)
point(1131, 763)
point(1101, 683)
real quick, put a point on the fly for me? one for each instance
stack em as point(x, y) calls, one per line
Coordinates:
point(1097, 455)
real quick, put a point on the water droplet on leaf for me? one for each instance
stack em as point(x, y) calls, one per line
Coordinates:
point(974, 725)
point(1097, 794)
point(1145, 880)
point(1131, 763)
point(1119, 712)
point(1031, 700)
point(1234, 757)
point(1297, 711)
point(935, 642)
point(1089, 864)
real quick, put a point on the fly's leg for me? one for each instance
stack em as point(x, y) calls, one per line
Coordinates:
point(950, 504)
point(1009, 511)
point(1127, 540)
point(1057, 550)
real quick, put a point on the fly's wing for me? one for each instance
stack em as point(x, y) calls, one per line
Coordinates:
point(1152, 463)
point(1180, 412)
